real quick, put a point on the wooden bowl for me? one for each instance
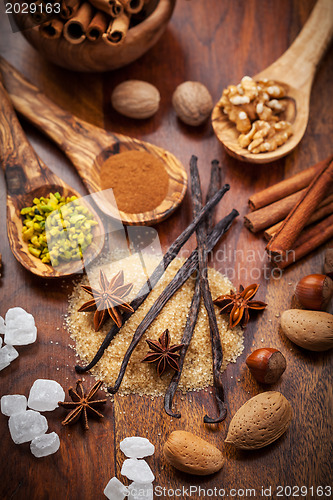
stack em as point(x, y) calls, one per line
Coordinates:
point(89, 56)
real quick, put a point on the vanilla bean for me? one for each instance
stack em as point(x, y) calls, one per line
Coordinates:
point(156, 275)
point(181, 276)
point(217, 351)
point(214, 185)
point(186, 339)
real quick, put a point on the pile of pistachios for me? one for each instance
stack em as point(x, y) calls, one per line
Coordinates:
point(57, 228)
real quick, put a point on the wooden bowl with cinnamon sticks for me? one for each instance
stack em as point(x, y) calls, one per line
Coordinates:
point(96, 35)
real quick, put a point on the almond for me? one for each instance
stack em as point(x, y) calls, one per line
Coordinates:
point(311, 330)
point(191, 454)
point(192, 103)
point(136, 99)
point(260, 421)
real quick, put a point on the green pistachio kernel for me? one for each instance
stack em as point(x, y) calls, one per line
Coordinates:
point(57, 228)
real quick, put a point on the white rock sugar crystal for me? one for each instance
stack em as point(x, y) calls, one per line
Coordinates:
point(0, 341)
point(137, 447)
point(12, 404)
point(139, 491)
point(2, 325)
point(45, 395)
point(115, 490)
point(137, 470)
point(24, 427)
point(7, 354)
point(45, 445)
point(20, 327)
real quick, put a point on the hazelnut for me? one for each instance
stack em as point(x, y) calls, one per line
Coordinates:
point(192, 103)
point(266, 365)
point(314, 291)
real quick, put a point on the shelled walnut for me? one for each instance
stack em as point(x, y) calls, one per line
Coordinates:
point(265, 136)
point(253, 107)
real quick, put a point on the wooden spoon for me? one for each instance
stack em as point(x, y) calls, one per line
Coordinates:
point(88, 146)
point(28, 177)
point(295, 70)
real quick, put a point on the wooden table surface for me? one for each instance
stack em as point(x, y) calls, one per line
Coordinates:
point(216, 43)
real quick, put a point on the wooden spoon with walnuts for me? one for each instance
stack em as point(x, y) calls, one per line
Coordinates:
point(295, 71)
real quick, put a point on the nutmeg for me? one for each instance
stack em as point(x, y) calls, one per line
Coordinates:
point(136, 99)
point(314, 291)
point(192, 103)
point(266, 365)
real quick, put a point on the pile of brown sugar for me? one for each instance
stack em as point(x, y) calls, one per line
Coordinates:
point(141, 378)
point(138, 179)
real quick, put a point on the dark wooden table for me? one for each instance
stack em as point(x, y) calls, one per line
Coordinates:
point(215, 42)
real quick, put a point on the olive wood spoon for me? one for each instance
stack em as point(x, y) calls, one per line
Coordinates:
point(88, 146)
point(295, 70)
point(28, 177)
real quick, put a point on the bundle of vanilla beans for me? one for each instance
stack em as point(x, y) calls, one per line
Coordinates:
point(208, 236)
point(94, 21)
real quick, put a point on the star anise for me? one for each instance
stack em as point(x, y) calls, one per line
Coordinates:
point(108, 300)
point(239, 304)
point(163, 354)
point(82, 404)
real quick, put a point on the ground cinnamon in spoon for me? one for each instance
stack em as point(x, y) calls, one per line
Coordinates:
point(138, 179)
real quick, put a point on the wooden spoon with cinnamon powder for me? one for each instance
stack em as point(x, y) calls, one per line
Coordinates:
point(91, 150)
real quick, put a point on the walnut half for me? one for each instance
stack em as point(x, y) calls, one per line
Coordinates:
point(265, 136)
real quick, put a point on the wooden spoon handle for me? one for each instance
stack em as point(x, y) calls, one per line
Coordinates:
point(70, 133)
point(23, 169)
point(297, 66)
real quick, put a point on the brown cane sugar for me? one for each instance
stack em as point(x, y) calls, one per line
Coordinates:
point(141, 378)
point(138, 179)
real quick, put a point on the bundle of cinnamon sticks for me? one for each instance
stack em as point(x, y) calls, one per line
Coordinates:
point(91, 20)
point(296, 214)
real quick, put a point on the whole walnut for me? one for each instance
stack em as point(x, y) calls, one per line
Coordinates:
point(192, 103)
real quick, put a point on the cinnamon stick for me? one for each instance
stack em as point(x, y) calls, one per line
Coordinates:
point(287, 187)
point(116, 7)
point(133, 6)
point(271, 214)
point(69, 8)
point(51, 29)
point(287, 235)
point(117, 30)
point(40, 15)
point(112, 7)
point(75, 28)
point(97, 26)
point(325, 208)
point(309, 240)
